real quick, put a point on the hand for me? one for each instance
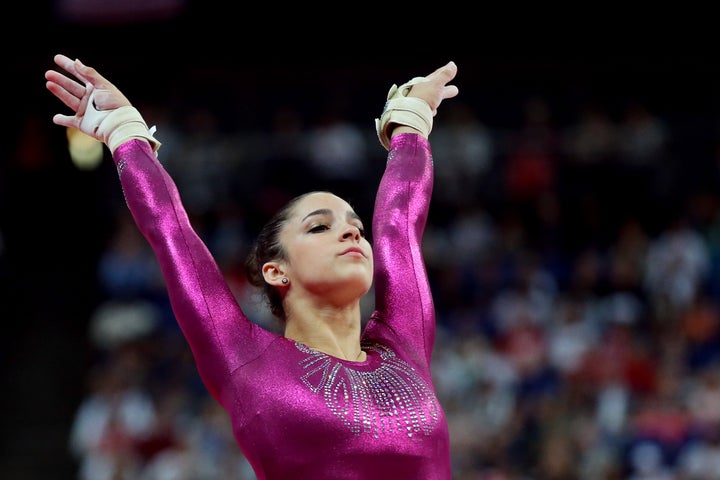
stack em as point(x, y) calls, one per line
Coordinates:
point(435, 88)
point(101, 110)
point(77, 93)
point(411, 107)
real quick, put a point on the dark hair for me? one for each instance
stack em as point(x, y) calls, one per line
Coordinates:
point(266, 248)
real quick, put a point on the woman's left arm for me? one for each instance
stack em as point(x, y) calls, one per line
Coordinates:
point(403, 301)
point(403, 298)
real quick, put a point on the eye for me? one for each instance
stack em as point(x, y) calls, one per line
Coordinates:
point(319, 228)
point(362, 231)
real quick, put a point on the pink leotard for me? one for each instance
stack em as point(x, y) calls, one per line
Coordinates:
point(298, 413)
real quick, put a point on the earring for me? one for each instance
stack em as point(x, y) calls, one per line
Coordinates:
point(285, 280)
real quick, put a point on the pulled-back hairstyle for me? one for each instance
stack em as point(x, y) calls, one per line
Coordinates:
point(266, 248)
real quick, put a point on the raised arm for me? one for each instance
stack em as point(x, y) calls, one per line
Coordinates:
point(403, 298)
point(203, 304)
point(99, 108)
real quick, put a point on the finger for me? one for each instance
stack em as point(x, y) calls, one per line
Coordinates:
point(451, 69)
point(450, 91)
point(445, 73)
point(73, 67)
point(84, 100)
point(64, 62)
point(87, 75)
point(65, 82)
point(91, 76)
point(69, 99)
point(69, 65)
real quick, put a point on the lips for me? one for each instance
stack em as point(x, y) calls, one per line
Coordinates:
point(353, 251)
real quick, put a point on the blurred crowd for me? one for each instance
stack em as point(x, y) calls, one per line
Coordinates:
point(575, 266)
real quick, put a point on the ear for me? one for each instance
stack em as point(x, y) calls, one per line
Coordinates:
point(273, 273)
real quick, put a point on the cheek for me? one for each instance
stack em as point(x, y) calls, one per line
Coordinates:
point(306, 254)
point(370, 251)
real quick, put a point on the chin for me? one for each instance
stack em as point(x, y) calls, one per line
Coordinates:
point(359, 285)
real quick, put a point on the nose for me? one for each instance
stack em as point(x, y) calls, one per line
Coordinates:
point(351, 233)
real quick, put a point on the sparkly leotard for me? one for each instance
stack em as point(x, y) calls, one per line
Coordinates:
point(298, 413)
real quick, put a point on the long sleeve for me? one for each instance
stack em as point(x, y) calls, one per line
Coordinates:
point(205, 307)
point(403, 299)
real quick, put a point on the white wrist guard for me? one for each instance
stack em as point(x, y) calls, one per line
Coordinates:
point(403, 110)
point(115, 127)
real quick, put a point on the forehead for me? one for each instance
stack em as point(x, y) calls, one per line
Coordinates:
point(321, 201)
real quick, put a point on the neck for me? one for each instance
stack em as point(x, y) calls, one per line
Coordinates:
point(335, 333)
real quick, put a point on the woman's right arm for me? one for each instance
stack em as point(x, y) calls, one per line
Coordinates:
point(204, 305)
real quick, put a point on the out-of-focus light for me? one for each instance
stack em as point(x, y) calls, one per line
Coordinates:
point(86, 152)
point(117, 12)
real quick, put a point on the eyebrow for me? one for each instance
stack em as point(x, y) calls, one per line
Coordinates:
point(327, 211)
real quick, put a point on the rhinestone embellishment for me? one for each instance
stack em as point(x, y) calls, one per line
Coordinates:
point(390, 399)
